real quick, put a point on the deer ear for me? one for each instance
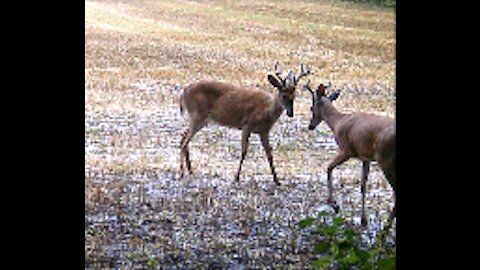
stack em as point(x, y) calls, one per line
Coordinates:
point(274, 82)
point(334, 95)
point(320, 90)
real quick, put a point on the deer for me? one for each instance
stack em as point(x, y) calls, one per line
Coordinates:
point(368, 137)
point(247, 109)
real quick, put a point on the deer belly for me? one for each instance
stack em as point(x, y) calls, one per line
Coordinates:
point(228, 120)
point(233, 115)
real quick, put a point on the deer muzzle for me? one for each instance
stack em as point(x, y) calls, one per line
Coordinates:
point(290, 112)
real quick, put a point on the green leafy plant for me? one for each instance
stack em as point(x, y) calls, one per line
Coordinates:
point(93, 131)
point(88, 259)
point(152, 263)
point(133, 256)
point(339, 246)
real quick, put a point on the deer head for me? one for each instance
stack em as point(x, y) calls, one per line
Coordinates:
point(319, 102)
point(286, 86)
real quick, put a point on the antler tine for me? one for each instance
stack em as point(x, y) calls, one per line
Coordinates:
point(277, 65)
point(303, 73)
point(307, 87)
point(278, 71)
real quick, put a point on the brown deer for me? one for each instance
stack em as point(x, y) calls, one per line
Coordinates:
point(251, 110)
point(367, 137)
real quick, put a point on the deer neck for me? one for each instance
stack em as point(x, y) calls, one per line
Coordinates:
point(276, 109)
point(331, 116)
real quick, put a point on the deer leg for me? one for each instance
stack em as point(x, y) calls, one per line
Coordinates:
point(390, 173)
point(181, 151)
point(268, 152)
point(365, 171)
point(391, 216)
point(195, 126)
point(337, 160)
point(245, 138)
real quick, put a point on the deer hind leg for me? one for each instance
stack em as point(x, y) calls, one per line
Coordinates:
point(390, 174)
point(182, 152)
point(388, 225)
point(391, 177)
point(268, 152)
point(388, 166)
point(340, 158)
point(365, 171)
point(245, 139)
point(195, 126)
point(392, 215)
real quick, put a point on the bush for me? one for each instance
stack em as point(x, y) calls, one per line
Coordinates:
point(339, 246)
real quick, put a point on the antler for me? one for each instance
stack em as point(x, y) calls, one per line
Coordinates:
point(302, 73)
point(307, 87)
point(278, 71)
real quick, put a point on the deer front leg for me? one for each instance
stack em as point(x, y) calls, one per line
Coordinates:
point(365, 171)
point(338, 160)
point(245, 138)
point(183, 152)
point(195, 125)
point(268, 151)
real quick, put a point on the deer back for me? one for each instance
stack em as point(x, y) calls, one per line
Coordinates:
point(201, 97)
point(358, 133)
point(229, 105)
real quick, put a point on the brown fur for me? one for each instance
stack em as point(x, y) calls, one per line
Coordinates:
point(231, 106)
point(360, 135)
point(357, 134)
point(251, 110)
